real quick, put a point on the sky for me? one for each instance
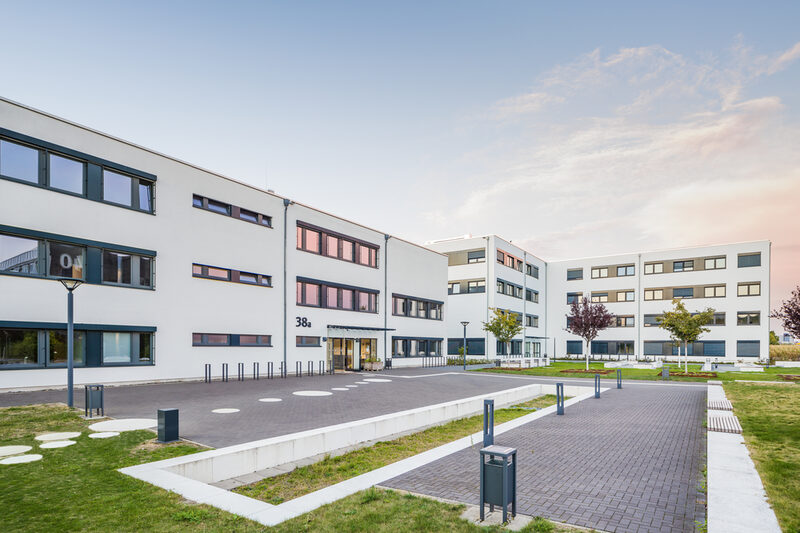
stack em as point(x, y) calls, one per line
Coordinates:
point(571, 128)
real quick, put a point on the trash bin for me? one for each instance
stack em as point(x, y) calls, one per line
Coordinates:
point(93, 400)
point(498, 484)
point(167, 425)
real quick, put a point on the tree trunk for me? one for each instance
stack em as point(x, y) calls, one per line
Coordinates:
point(686, 356)
point(588, 344)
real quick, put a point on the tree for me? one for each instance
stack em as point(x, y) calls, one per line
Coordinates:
point(586, 320)
point(773, 338)
point(503, 325)
point(684, 326)
point(789, 314)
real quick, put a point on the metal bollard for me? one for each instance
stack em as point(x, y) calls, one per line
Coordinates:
point(240, 370)
point(256, 371)
point(284, 370)
point(559, 398)
point(208, 373)
point(310, 371)
point(619, 378)
point(298, 369)
point(225, 372)
point(597, 385)
point(488, 423)
point(167, 425)
point(321, 368)
point(269, 370)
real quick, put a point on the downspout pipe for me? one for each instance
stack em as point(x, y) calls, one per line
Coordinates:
point(286, 204)
point(386, 238)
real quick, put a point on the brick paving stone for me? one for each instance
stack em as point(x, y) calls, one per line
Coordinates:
point(629, 462)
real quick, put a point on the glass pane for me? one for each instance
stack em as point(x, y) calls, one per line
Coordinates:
point(246, 277)
point(219, 273)
point(197, 338)
point(197, 201)
point(116, 347)
point(20, 162)
point(332, 246)
point(299, 288)
point(312, 240)
point(218, 207)
point(347, 250)
point(58, 347)
point(363, 302)
point(19, 255)
point(19, 347)
point(299, 237)
point(248, 340)
point(218, 340)
point(347, 299)
point(145, 196)
point(363, 255)
point(197, 270)
point(332, 297)
point(755, 290)
point(145, 347)
point(145, 272)
point(66, 174)
point(244, 214)
point(66, 260)
point(116, 188)
point(312, 294)
point(116, 267)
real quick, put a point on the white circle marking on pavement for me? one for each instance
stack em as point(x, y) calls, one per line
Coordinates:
point(378, 380)
point(340, 388)
point(312, 393)
point(351, 386)
point(57, 444)
point(18, 459)
point(104, 435)
point(13, 450)
point(269, 400)
point(124, 424)
point(362, 383)
point(58, 436)
point(225, 410)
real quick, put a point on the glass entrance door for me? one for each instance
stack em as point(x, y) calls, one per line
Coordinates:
point(342, 351)
point(368, 350)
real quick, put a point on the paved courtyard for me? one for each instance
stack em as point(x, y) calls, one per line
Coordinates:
point(628, 462)
point(258, 420)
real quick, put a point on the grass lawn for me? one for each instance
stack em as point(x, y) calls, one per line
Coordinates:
point(78, 489)
point(332, 470)
point(771, 423)
point(769, 374)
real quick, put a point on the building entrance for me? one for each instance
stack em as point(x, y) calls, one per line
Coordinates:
point(351, 354)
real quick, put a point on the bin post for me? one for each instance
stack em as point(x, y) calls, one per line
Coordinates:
point(664, 373)
point(93, 400)
point(597, 385)
point(167, 425)
point(619, 378)
point(559, 398)
point(208, 373)
point(498, 479)
point(488, 423)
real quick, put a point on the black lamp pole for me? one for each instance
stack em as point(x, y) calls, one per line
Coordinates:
point(70, 284)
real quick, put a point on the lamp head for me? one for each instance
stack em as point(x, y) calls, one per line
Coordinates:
point(464, 323)
point(70, 283)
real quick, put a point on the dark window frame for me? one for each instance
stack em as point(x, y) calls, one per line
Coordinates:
point(373, 252)
point(232, 211)
point(234, 276)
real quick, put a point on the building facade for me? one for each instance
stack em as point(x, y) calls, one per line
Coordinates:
point(732, 279)
point(487, 273)
point(184, 267)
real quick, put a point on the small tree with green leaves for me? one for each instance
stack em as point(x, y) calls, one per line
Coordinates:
point(503, 325)
point(685, 327)
point(773, 338)
point(586, 320)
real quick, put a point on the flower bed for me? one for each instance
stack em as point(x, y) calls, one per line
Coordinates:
point(789, 377)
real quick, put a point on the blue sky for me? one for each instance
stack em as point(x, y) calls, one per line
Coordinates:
point(572, 128)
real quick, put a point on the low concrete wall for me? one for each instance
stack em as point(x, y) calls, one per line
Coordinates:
point(233, 461)
point(788, 364)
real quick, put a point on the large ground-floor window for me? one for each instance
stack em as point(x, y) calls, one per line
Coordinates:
point(416, 347)
point(474, 346)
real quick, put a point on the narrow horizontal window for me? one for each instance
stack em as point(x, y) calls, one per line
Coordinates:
point(750, 318)
point(304, 341)
point(717, 291)
point(749, 260)
point(575, 273)
point(654, 268)
point(714, 263)
point(255, 340)
point(683, 292)
point(223, 208)
point(682, 266)
point(235, 276)
point(749, 289)
point(211, 339)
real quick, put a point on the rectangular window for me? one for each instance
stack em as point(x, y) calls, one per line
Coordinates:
point(66, 174)
point(626, 296)
point(574, 347)
point(501, 257)
point(653, 294)
point(748, 348)
point(532, 321)
point(682, 266)
point(454, 288)
point(57, 347)
point(117, 188)
point(749, 289)
point(717, 320)
point(627, 270)
point(532, 296)
point(66, 260)
point(223, 208)
point(225, 274)
point(574, 273)
point(624, 321)
point(348, 251)
point(249, 216)
point(654, 268)
point(303, 341)
point(19, 347)
point(748, 318)
point(600, 272)
point(599, 297)
point(657, 347)
point(218, 207)
point(714, 348)
point(749, 260)
point(257, 340)
point(476, 286)
point(477, 256)
point(717, 291)
point(19, 162)
point(573, 297)
point(20, 255)
point(714, 263)
point(651, 320)
point(127, 348)
point(683, 292)
point(501, 287)
point(211, 339)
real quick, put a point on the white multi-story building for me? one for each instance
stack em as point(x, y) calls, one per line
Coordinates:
point(184, 267)
point(491, 273)
point(732, 279)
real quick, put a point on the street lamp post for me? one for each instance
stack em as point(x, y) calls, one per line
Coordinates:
point(70, 284)
point(465, 323)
